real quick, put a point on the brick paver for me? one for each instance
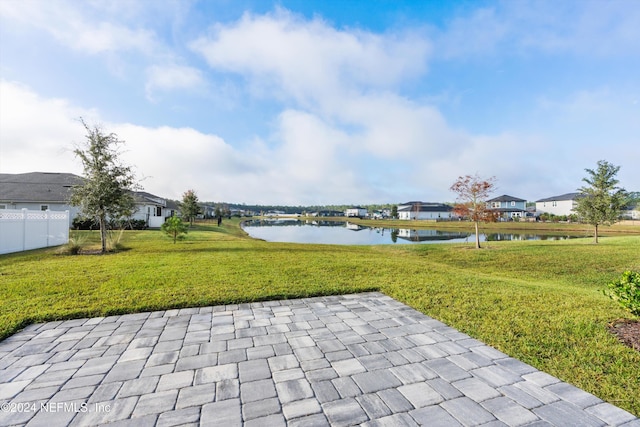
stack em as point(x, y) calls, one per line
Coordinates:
point(339, 360)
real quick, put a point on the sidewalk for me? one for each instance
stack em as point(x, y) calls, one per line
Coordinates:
point(341, 360)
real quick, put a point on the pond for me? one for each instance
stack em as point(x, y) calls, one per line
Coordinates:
point(347, 233)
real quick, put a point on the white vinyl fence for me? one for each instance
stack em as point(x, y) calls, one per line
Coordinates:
point(22, 230)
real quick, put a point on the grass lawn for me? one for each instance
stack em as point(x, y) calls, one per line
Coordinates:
point(538, 301)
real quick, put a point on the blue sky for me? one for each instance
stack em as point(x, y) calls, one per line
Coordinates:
point(326, 102)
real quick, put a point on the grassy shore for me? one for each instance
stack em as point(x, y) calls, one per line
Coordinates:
point(538, 301)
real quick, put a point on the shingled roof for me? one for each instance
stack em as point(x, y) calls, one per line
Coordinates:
point(506, 198)
point(50, 187)
point(426, 207)
point(567, 196)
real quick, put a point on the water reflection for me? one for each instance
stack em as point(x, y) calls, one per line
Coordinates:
point(417, 236)
point(348, 233)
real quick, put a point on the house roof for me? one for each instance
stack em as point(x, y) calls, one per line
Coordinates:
point(37, 187)
point(51, 187)
point(506, 198)
point(426, 207)
point(148, 198)
point(567, 196)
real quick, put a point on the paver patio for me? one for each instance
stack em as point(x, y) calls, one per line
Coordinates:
point(338, 360)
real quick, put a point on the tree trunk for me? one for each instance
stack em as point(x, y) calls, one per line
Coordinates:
point(103, 233)
point(596, 234)
point(477, 236)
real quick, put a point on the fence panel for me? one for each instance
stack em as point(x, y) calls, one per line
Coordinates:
point(22, 230)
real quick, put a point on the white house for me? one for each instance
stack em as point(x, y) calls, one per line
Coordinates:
point(356, 211)
point(152, 209)
point(557, 205)
point(631, 212)
point(40, 191)
point(425, 211)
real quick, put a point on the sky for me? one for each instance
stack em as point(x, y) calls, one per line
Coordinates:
point(326, 102)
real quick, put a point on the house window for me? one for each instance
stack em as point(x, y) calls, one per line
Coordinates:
point(158, 211)
point(495, 204)
point(44, 207)
point(555, 204)
point(3, 206)
point(513, 203)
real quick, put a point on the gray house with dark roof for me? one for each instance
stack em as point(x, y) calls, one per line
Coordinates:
point(52, 191)
point(508, 207)
point(424, 211)
point(38, 191)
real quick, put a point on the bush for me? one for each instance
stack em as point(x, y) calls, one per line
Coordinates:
point(75, 244)
point(84, 224)
point(626, 291)
point(128, 224)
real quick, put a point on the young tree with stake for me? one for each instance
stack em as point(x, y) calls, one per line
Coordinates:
point(175, 228)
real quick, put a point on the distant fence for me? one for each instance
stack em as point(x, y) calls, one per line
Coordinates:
point(22, 230)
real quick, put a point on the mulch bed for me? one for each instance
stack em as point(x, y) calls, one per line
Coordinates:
point(627, 331)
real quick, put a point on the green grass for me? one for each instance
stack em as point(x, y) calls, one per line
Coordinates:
point(538, 301)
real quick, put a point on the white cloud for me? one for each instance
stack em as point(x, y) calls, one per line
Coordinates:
point(310, 61)
point(37, 133)
point(172, 77)
point(80, 28)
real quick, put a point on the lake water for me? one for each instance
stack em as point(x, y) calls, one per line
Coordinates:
point(346, 233)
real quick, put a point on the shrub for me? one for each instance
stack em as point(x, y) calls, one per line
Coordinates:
point(626, 291)
point(128, 224)
point(80, 223)
point(75, 244)
point(114, 238)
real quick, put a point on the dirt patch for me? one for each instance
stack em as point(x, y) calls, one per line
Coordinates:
point(627, 331)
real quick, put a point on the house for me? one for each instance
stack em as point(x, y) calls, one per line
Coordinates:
point(557, 205)
point(52, 191)
point(356, 211)
point(381, 214)
point(508, 207)
point(631, 212)
point(425, 211)
point(325, 213)
point(152, 209)
point(38, 191)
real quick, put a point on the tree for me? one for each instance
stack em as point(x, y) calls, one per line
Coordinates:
point(473, 193)
point(189, 206)
point(175, 228)
point(394, 212)
point(106, 192)
point(601, 201)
